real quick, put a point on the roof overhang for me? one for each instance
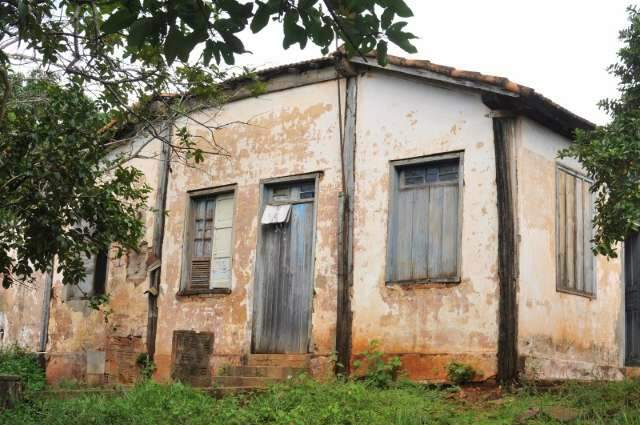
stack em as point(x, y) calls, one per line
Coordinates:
point(498, 93)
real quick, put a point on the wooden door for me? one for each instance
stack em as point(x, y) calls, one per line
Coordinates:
point(632, 299)
point(284, 273)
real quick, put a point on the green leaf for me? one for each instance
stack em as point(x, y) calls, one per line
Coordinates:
point(216, 53)
point(293, 33)
point(23, 9)
point(227, 54)
point(400, 38)
point(236, 10)
point(381, 53)
point(141, 29)
point(208, 52)
point(172, 44)
point(120, 20)
point(189, 42)
point(260, 19)
point(234, 43)
point(306, 4)
point(401, 8)
point(325, 35)
point(387, 18)
point(193, 14)
point(405, 45)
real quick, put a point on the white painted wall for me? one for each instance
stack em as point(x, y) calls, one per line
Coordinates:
point(561, 335)
point(428, 325)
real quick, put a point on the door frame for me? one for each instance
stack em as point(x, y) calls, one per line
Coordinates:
point(623, 264)
point(264, 187)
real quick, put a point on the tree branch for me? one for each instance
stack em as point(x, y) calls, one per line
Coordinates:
point(6, 82)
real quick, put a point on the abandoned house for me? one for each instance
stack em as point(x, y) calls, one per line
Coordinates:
point(417, 205)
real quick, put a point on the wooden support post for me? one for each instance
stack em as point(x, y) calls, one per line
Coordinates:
point(504, 127)
point(158, 236)
point(345, 231)
point(46, 311)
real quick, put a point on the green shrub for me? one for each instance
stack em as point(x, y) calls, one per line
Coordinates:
point(146, 365)
point(380, 373)
point(460, 373)
point(301, 401)
point(17, 361)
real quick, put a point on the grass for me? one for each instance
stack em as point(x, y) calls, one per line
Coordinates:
point(305, 401)
point(341, 402)
point(16, 361)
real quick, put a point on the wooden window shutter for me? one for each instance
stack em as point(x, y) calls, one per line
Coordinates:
point(425, 234)
point(221, 252)
point(575, 260)
point(202, 241)
point(209, 255)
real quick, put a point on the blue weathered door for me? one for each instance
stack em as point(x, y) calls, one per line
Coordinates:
point(632, 299)
point(284, 279)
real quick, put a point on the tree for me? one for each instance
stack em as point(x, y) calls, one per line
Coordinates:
point(61, 192)
point(611, 153)
point(129, 47)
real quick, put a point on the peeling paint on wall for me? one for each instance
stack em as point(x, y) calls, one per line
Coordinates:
point(297, 131)
point(427, 326)
point(75, 329)
point(287, 133)
point(561, 335)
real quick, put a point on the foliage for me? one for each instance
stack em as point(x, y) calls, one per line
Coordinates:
point(339, 402)
point(146, 365)
point(60, 194)
point(17, 361)
point(302, 402)
point(380, 372)
point(610, 153)
point(460, 373)
point(129, 46)
point(176, 29)
point(101, 303)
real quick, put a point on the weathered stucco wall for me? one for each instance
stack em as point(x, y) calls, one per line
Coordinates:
point(561, 336)
point(294, 132)
point(428, 326)
point(89, 345)
point(21, 314)
point(286, 133)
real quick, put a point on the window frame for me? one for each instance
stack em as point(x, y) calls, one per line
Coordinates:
point(395, 186)
point(559, 287)
point(192, 196)
point(97, 287)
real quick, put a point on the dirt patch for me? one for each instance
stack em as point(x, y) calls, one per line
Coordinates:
point(477, 395)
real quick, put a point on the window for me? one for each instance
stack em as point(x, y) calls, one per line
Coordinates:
point(575, 260)
point(424, 223)
point(95, 279)
point(209, 242)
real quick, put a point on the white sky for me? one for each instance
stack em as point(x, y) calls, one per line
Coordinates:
point(561, 48)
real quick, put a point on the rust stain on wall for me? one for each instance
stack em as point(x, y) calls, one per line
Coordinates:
point(287, 134)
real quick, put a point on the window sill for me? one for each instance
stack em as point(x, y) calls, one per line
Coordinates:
point(578, 293)
point(203, 293)
point(80, 299)
point(423, 284)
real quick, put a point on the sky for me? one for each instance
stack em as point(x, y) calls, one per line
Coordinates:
point(561, 48)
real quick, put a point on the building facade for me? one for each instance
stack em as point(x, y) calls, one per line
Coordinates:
point(415, 205)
